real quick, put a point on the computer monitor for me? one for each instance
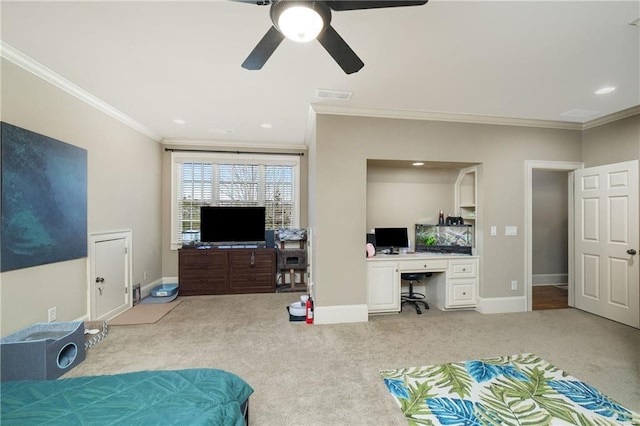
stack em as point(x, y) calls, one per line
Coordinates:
point(392, 239)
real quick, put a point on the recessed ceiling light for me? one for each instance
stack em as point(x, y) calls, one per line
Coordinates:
point(605, 90)
point(266, 125)
point(418, 163)
point(179, 121)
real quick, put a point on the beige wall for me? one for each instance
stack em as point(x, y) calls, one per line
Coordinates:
point(170, 257)
point(612, 143)
point(340, 151)
point(403, 196)
point(123, 193)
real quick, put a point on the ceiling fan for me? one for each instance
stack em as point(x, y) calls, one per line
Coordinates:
point(304, 20)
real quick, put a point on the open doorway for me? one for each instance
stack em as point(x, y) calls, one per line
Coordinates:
point(548, 234)
point(550, 239)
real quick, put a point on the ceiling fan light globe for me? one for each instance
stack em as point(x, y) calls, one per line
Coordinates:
point(300, 23)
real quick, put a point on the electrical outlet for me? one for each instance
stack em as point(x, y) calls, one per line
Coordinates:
point(514, 285)
point(52, 314)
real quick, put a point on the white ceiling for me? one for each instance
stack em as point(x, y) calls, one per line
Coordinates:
point(160, 61)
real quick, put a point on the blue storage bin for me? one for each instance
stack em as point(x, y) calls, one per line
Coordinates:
point(164, 290)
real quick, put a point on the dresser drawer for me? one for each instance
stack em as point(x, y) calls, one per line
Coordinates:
point(467, 268)
point(423, 265)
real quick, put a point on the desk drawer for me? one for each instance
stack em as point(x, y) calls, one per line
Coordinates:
point(463, 268)
point(424, 265)
point(462, 293)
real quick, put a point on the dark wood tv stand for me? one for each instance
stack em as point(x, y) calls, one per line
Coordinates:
point(226, 271)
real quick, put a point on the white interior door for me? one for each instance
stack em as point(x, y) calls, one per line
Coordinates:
point(109, 277)
point(606, 242)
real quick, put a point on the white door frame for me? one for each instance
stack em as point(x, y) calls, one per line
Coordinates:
point(530, 166)
point(95, 238)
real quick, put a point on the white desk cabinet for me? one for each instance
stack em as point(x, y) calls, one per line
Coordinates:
point(453, 285)
point(462, 282)
point(383, 287)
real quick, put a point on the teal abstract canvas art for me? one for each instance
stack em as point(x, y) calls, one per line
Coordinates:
point(44, 199)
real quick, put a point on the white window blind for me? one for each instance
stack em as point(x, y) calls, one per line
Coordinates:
point(205, 179)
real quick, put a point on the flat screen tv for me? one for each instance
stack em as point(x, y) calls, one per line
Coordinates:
point(392, 239)
point(232, 224)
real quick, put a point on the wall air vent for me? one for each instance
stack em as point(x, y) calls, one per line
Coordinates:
point(335, 95)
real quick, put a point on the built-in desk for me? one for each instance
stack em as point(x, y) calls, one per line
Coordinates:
point(453, 284)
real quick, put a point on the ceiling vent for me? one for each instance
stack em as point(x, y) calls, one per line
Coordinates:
point(579, 113)
point(335, 95)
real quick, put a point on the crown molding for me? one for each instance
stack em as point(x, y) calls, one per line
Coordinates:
point(232, 144)
point(443, 116)
point(13, 55)
point(612, 117)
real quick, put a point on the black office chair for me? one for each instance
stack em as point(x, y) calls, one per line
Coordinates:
point(412, 297)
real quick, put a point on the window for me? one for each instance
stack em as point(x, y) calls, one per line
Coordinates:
point(207, 179)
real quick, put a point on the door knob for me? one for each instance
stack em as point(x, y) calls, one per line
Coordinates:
point(631, 252)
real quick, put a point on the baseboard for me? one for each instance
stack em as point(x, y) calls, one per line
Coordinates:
point(340, 314)
point(546, 279)
point(501, 305)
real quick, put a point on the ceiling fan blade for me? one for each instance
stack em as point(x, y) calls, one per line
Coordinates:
point(263, 50)
point(258, 2)
point(339, 5)
point(340, 50)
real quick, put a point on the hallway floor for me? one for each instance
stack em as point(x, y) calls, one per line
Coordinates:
point(550, 297)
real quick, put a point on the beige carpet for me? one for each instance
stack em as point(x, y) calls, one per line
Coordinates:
point(145, 313)
point(329, 375)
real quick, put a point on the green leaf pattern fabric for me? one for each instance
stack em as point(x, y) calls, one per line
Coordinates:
point(514, 390)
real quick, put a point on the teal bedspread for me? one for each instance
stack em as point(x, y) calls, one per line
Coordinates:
point(180, 397)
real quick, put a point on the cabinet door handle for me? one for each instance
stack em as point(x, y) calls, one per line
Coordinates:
point(252, 260)
point(464, 269)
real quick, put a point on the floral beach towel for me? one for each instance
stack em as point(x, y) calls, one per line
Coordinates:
point(511, 390)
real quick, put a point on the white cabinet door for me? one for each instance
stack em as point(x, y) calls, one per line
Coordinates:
point(383, 287)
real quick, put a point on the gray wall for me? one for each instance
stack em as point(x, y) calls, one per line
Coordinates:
point(340, 151)
point(123, 193)
point(612, 143)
